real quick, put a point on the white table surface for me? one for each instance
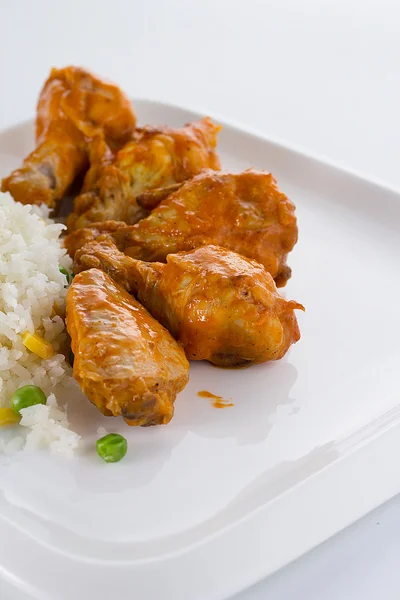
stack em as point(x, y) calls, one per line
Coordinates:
point(322, 75)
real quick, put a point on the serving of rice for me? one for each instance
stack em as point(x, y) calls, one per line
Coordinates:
point(32, 296)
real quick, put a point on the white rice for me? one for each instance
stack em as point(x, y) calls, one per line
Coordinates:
point(48, 426)
point(31, 285)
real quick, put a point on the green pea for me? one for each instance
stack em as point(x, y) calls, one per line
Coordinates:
point(25, 396)
point(65, 272)
point(112, 447)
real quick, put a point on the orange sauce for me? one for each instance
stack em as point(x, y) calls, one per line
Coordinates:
point(218, 401)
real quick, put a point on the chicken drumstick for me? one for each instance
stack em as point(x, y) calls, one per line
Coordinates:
point(220, 306)
point(157, 157)
point(125, 361)
point(244, 212)
point(74, 107)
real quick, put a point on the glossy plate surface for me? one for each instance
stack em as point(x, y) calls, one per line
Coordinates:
point(219, 498)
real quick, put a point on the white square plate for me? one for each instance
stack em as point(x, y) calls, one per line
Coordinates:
point(218, 499)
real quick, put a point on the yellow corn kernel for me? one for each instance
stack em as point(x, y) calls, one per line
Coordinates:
point(38, 345)
point(8, 416)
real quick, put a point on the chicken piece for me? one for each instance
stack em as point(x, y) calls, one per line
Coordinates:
point(74, 107)
point(222, 307)
point(157, 157)
point(125, 361)
point(244, 212)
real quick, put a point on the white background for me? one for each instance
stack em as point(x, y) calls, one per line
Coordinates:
point(321, 75)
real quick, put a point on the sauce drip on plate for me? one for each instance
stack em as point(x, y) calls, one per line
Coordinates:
point(218, 401)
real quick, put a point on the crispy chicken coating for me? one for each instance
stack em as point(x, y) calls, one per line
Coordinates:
point(74, 107)
point(125, 361)
point(222, 307)
point(244, 212)
point(157, 157)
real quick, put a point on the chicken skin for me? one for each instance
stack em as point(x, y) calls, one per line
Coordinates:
point(125, 361)
point(220, 306)
point(74, 107)
point(244, 212)
point(155, 158)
